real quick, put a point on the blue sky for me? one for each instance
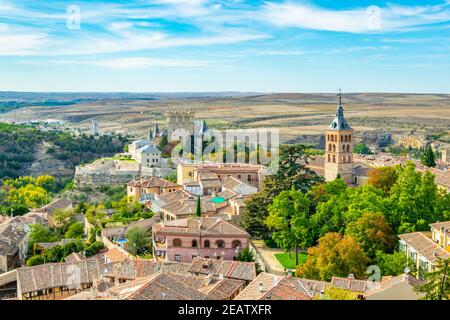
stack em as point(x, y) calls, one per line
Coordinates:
point(219, 45)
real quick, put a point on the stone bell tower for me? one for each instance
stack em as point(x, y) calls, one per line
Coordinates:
point(339, 147)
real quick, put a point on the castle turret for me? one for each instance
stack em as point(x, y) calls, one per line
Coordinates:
point(339, 147)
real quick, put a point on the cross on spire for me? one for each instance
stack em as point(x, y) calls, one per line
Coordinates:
point(340, 96)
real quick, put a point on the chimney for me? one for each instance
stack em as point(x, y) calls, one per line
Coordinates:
point(260, 287)
point(116, 281)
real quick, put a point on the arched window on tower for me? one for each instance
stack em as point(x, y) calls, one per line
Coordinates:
point(349, 159)
point(348, 148)
point(334, 158)
point(329, 157)
point(332, 138)
point(345, 138)
point(350, 138)
point(342, 138)
point(343, 147)
point(334, 148)
point(329, 147)
point(336, 138)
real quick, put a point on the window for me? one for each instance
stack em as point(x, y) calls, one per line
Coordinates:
point(218, 257)
point(334, 148)
point(206, 244)
point(189, 174)
point(343, 148)
point(234, 258)
point(236, 243)
point(329, 158)
point(249, 177)
point(329, 147)
point(148, 160)
point(194, 244)
point(177, 257)
point(220, 244)
point(342, 138)
point(348, 148)
point(177, 243)
point(239, 176)
point(334, 158)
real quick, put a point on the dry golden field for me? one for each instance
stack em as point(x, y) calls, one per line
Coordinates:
point(294, 114)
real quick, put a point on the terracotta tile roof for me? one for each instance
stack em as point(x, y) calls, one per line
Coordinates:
point(288, 289)
point(161, 287)
point(229, 269)
point(389, 282)
point(227, 194)
point(183, 207)
point(53, 275)
point(224, 289)
point(11, 236)
point(116, 254)
point(74, 257)
point(440, 225)
point(256, 289)
point(61, 203)
point(350, 284)
point(153, 182)
point(314, 287)
point(425, 246)
point(208, 226)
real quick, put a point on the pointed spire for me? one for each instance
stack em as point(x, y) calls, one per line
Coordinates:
point(150, 134)
point(156, 129)
point(339, 122)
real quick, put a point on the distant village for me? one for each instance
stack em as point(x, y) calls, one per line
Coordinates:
point(195, 233)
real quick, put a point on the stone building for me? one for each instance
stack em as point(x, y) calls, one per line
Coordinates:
point(339, 147)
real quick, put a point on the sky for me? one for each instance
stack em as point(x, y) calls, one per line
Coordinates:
point(225, 45)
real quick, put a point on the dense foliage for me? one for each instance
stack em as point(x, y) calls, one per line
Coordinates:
point(18, 144)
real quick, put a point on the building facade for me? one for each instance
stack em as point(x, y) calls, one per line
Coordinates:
point(185, 239)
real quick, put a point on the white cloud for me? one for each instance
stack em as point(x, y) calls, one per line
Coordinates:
point(137, 63)
point(145, 63)
point(359, 20)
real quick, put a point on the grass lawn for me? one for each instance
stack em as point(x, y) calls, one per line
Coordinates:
point(289, 263)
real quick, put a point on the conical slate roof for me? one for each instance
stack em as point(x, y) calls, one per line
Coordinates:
point(339, 122)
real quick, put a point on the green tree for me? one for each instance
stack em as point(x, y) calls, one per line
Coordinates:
point(383, 178)
point(198, 208)
point(47, 182)
point(391, 264)
point(437, 282)
point(75, 231)
point(292, 171)
point(428, 158)
point(246, 255)
point(414, 200)
point(289, 218)
point(333, 293)
point(94, 248)
point(335, 255)
point(373, 233)
point(35, 261)
point(163, 141)
point(137, 240)
point(40, 233)
point(361, 148)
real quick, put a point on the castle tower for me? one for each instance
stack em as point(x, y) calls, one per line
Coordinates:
point(179, 121)
point(339, 147)
point(150, 134)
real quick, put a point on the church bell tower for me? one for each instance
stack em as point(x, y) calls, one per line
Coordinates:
point(339, 147)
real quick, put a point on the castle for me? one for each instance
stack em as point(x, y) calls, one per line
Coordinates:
point(180, 122)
